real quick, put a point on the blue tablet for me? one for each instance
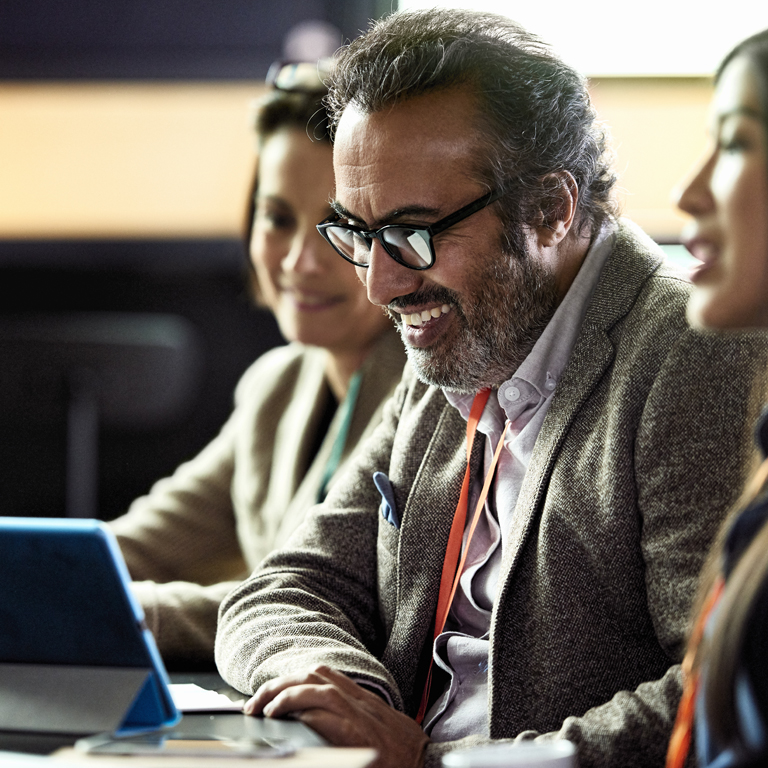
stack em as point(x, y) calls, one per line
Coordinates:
point(75, 654)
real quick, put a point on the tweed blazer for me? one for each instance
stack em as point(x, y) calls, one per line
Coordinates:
point(198, 533)
point(644, 447)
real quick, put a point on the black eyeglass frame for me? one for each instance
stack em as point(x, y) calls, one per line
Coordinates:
point(431, 230)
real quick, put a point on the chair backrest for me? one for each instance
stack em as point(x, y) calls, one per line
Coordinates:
point(132, 370)
point(142, 368)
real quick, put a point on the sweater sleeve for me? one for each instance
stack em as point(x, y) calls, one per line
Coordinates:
point(314, 600)
point(181, 547)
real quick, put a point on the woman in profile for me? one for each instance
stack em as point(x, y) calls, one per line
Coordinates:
point(725, 672)
point(300, 410)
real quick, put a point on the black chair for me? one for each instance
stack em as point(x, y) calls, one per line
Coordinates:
point(128, 370)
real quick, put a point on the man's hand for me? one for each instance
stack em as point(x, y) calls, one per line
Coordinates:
point(343, 713)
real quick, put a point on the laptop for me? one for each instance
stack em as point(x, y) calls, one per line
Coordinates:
point(75, 654)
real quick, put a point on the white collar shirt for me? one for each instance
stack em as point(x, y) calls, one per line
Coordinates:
point(521, 403)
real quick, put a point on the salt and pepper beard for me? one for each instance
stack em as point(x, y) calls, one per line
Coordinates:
point(494, 330)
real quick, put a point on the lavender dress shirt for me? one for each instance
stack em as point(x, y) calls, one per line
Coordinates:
point(520, 403)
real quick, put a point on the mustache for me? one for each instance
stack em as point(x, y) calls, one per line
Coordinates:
point(433, 295)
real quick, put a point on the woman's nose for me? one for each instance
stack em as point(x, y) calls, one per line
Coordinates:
point(695, 195)
point(307, 252)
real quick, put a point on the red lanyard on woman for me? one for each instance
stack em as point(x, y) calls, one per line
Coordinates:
point(680, 742)
point(449, 579)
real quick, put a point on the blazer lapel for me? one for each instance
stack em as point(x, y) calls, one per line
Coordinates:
point(294, 437)
point(426, 524)
point(626, 270)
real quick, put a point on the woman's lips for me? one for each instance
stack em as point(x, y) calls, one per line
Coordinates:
point(705, 251)
point(311, 301)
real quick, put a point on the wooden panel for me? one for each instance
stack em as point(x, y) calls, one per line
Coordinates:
point(174, 160)
point(659, 132)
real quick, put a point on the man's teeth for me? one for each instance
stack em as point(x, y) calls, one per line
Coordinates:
point(419, 318)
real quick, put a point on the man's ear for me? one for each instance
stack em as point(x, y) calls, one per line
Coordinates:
point(558, 210)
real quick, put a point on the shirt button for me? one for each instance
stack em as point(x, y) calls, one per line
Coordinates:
point(512, 394)
point(550, 383)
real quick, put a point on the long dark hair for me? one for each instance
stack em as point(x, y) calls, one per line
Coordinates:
point(755, 50)
point(743, 596)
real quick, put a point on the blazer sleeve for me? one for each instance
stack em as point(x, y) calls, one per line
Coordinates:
point(315, 600)
point(198, 533)
point(181, 548)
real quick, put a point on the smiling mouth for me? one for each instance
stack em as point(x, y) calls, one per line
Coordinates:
point(311, 301)
point(416, 319)
point(704, 251)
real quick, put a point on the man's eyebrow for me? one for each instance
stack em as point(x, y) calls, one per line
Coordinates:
point(408, 211)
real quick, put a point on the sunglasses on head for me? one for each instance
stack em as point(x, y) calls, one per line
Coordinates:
point(298, 76)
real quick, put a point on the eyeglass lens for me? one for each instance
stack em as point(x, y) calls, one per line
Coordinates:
point(409, 246)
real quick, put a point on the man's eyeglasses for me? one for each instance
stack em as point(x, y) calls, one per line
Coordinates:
point(410, 246)
point(298, 76)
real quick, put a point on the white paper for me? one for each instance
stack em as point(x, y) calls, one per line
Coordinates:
point(23, 760)
point(189, 697)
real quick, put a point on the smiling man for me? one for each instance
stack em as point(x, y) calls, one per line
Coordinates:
point(515, 552)
point(417, 164)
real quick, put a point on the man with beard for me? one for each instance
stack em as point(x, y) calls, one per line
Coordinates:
point(514, 554)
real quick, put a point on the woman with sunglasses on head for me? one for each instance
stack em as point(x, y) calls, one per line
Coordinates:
point(725, 697)
point(300, 410)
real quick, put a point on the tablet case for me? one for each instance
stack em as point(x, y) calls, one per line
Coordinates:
point(75, 654)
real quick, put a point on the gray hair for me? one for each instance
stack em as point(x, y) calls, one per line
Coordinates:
point(535, 115)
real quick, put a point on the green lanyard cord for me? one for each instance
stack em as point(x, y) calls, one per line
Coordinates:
point(334, 459)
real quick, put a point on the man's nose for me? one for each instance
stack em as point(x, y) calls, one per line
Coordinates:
point(385, 279)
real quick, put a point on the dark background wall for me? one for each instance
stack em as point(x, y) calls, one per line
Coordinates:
point(162, 39)
point(201, 281)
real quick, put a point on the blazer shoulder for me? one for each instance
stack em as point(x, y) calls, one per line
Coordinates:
point(636, 283)
point(276, 369)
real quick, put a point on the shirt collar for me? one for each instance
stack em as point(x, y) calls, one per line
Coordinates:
point(539, 373)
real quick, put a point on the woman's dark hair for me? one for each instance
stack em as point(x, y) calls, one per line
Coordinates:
point(734, 632)
point(279, 110)
point(755, 50)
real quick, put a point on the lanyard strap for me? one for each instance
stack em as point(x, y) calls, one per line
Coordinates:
point(680, 742)
point(334, 459)
point(451, 574)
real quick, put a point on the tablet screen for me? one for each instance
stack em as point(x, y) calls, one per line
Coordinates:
point(62, 599)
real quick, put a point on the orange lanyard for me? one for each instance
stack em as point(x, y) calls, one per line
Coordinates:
point(449, 579)
point(680, 742)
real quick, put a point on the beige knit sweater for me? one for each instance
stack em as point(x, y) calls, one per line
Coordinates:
point(205, 528)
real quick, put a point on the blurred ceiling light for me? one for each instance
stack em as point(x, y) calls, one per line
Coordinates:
point(650, 38)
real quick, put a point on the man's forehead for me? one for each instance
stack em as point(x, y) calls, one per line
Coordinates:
point(405, 154)
point(446, 115)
